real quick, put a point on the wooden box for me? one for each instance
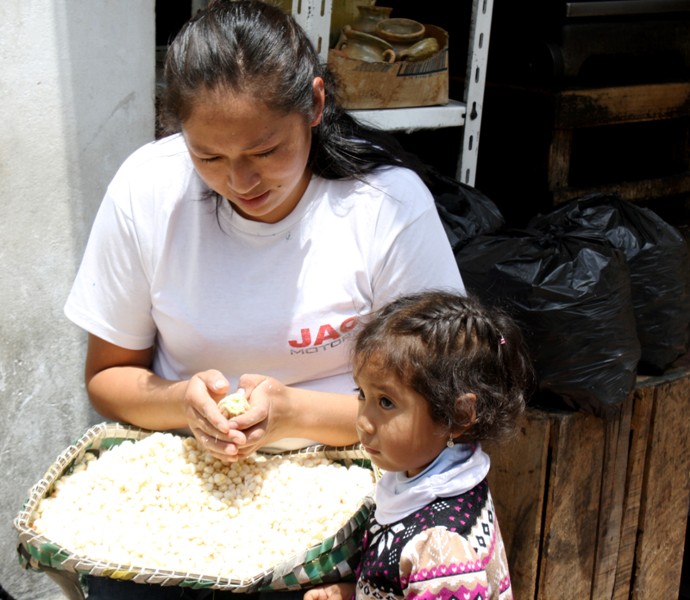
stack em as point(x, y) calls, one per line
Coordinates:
point(373, 85)
point(593, 508)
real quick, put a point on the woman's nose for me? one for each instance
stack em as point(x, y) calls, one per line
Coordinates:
point(242, 176)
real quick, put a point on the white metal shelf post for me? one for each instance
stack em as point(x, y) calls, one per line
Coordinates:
point(314, 16)
point(475, 80)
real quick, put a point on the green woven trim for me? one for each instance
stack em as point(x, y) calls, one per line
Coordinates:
point(325, 562)
point(198, 584)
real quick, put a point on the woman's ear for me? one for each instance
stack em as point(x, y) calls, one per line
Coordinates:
point(466, 413)
point(319, 92)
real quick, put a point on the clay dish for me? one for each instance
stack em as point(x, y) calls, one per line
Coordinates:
point(363, 46)
point(400, 30)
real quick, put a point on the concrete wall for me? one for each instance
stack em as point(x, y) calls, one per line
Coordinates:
point(76, 97)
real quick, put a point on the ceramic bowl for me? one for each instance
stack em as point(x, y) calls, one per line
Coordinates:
point(369, 16)
point(400, 31)
point(364, 46)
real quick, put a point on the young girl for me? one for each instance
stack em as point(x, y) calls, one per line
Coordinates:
point(437, 373)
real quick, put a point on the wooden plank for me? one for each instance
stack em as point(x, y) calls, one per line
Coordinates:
point(572, 508)
point(621, 104)
point(633, 190)
point(642, 402)
point(611, 506)
point(560, 150)
point(517, 480)
point(665, 496)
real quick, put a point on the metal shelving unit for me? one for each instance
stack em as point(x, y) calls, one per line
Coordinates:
point(315, 17)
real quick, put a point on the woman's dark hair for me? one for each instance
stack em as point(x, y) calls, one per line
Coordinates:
point(444, 345)
point(253, 47)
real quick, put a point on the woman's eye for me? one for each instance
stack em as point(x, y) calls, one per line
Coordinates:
point(266, 153)
point(386, 403)
point(208, 160)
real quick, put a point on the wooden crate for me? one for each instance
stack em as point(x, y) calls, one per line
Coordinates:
point(618, 107)
point(593, 508)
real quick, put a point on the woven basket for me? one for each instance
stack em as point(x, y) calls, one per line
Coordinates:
point(332, 559)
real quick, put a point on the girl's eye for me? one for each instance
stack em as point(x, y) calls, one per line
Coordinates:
point(208, 160)
point(386, 403)
point(360, 394)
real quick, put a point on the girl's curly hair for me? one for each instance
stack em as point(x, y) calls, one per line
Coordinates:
point(445, 345)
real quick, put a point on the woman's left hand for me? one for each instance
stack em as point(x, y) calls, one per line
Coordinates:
point(261, 423)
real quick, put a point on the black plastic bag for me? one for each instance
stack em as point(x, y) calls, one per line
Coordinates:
point(465, 212)
point(659, 264)
point(571, 295)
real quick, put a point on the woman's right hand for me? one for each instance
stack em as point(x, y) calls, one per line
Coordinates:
point(208, 425)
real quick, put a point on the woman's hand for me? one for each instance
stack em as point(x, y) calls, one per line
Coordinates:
point(276, 411)
point(209, 426)
point(235, 438)
point(262, 423)
point(333, 591)
point(122, 387)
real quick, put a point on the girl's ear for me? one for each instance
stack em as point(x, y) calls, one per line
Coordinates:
point(319, 91)
point(466, 413)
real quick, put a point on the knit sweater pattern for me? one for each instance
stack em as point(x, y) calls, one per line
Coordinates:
point(450, 549)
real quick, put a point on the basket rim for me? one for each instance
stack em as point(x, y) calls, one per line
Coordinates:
point(62, 558)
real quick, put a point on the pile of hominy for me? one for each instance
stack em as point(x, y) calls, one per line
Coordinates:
point(162, 502)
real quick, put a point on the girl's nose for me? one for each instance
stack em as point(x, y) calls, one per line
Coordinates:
point(363, 423)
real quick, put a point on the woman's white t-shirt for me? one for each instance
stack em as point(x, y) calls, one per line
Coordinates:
point(165, 267)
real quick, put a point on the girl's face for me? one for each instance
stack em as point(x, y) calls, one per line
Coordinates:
point(394, 423)
point(253, 156)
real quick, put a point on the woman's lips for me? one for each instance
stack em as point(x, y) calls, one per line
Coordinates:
point(253, 200)
point(369, 450)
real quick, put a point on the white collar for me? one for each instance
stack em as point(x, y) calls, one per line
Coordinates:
point(454, 471)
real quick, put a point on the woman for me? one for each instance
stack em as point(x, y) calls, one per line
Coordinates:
point(240, 250)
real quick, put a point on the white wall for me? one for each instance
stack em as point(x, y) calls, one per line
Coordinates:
point(76, 96)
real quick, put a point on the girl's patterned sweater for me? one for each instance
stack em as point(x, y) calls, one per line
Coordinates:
point(451, 548)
